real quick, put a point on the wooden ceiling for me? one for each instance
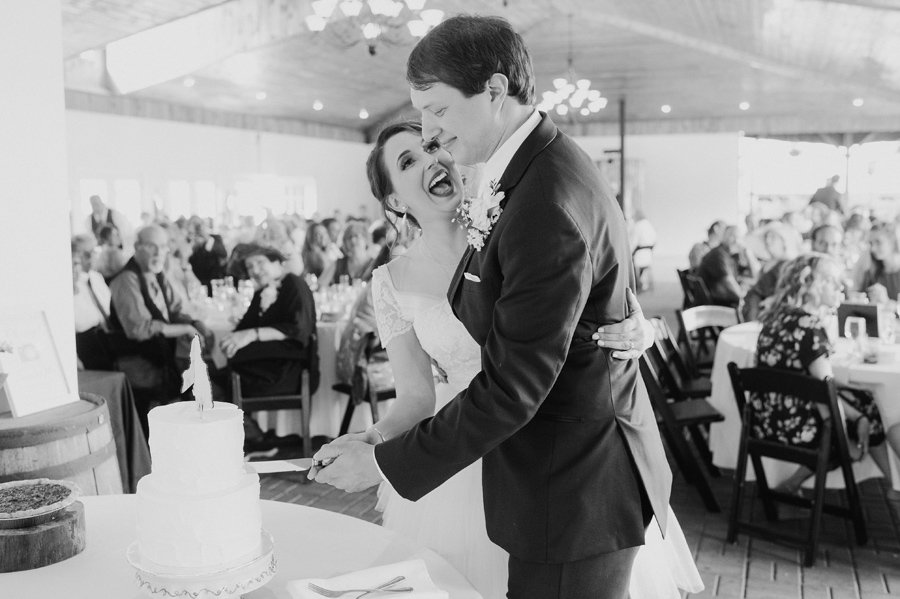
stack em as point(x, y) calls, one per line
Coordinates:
point(798, 63)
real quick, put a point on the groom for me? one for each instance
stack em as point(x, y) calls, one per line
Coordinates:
point(573, 465)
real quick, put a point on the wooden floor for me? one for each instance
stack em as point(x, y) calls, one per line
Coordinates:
point(751, 568)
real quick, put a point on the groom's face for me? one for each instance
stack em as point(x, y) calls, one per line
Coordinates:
point(466, 127)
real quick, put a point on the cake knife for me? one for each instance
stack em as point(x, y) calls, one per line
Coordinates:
point(298, 465)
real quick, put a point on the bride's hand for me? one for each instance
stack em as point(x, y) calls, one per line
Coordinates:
point(630, 337)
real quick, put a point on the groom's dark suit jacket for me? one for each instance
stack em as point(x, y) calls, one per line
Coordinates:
point(566, 431)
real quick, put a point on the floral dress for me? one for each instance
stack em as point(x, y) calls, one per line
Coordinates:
point(792, 340)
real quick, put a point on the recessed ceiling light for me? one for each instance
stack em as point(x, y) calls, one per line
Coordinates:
point(744, 105)
point(188, 82)
point(858, 102)
point(666, 108)
point(260, 95)
point(363, 113)
point(318, 105)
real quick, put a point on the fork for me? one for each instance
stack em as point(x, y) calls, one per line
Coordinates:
point(382, 587)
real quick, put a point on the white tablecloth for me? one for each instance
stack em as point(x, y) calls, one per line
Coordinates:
point(327, 404)
point(309, 543)
point(738, 344)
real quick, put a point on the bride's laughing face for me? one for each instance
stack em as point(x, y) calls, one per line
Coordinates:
point(424, 177)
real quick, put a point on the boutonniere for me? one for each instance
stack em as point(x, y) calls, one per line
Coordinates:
point(267, 297)
point(478, 215)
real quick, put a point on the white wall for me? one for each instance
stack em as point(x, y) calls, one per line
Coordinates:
point(36, 267)
point(153, 151)
point(690, 180)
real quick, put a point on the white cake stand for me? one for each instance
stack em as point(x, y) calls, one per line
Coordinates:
point(227, 582)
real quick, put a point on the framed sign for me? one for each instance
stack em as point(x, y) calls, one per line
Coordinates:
point(32, 378)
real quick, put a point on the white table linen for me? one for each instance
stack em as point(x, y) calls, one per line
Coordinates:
point(738, 344)
point(414, 572)
point(309, 543)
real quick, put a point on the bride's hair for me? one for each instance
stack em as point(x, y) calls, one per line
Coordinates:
point(379, 177)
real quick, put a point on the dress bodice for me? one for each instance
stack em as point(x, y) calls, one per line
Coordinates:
point(440, 334)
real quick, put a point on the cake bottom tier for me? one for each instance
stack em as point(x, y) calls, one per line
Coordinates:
point(185, 531)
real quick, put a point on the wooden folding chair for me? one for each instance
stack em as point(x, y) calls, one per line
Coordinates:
point(301, 400)
point(804, 388)
point(691, 385)
point(672, 419)
point(689, 300)
point(699, 328)
point(372, 381)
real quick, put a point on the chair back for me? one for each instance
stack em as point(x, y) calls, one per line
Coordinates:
point(689, 299)
point(667, 344)
point(699, 290)
point(701, 317)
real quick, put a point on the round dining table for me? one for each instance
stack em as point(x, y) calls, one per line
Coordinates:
point(738, 344)
point(309, 543)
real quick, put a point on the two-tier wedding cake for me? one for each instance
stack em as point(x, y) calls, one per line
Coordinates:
point(199, 508)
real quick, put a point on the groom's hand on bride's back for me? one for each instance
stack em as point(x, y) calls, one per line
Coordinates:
point(630, 337)
point(353, 467)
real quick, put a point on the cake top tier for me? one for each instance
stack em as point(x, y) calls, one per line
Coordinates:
point(185, 413)
point(194, 452)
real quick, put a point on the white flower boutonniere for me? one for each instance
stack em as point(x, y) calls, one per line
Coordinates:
point(478, 215)
point(267, 297)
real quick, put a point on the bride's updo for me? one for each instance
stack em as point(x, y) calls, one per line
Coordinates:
point(377, 171)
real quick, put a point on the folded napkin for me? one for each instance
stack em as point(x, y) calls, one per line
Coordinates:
point(414, 570)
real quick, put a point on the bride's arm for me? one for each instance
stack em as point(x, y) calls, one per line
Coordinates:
point(414, 383)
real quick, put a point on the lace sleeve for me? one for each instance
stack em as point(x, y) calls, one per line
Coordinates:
point(388, 315)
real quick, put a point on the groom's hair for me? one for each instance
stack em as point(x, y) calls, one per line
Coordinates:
point(465, 51)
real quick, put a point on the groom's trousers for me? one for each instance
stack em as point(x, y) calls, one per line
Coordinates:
point(604, 576)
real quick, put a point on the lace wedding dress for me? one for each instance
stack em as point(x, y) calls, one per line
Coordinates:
point(450, 519)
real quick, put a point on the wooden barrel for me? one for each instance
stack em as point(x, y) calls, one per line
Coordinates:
point(72, 442)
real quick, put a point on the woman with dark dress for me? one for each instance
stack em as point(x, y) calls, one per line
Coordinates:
point(269, 344)
point(793, 338)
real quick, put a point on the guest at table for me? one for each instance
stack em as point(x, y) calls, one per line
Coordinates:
point(793, 338)
point(150, 326)
point(713, 239)
point(273, 233)
point(269, 343)
point(356, 264)
point(111, 258)
point(719, 270)
point(178, 268)
point(757, 296)
point(208, 253)
point(92, 300)
point(315, 252)
point(881, 281)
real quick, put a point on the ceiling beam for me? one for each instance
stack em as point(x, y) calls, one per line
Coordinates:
point(596, 15)
point(190, 43)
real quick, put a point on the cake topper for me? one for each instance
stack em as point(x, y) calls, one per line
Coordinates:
point(197, 376)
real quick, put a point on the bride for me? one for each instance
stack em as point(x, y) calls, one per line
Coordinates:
point(421, 184)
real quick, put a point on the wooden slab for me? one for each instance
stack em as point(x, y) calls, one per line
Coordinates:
point(44, 544)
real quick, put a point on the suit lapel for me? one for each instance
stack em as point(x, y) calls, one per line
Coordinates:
point(458, 275)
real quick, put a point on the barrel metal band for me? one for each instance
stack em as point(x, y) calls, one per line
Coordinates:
point(61, 471)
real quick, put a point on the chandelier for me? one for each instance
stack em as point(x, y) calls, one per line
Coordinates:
point(373, 21)
point(571, 94)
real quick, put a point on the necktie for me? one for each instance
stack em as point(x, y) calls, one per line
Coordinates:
point(157, 296)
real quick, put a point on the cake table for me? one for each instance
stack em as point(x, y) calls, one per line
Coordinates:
point(309, 543)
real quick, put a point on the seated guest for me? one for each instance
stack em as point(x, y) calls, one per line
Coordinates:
point(208, 255)
point(828, 239)
point(881, 280)
point(764, 288)
point(713, 238)
point(151, 322)
point(111, 257)
point(793, 338)
point(719, 271)
point(356, 264)
point(273, 233)
point(315, 250)
point(178, 269)
point(269, 343)
point(92, 298)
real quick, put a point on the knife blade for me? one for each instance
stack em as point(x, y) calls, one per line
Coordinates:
point(298, 465)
